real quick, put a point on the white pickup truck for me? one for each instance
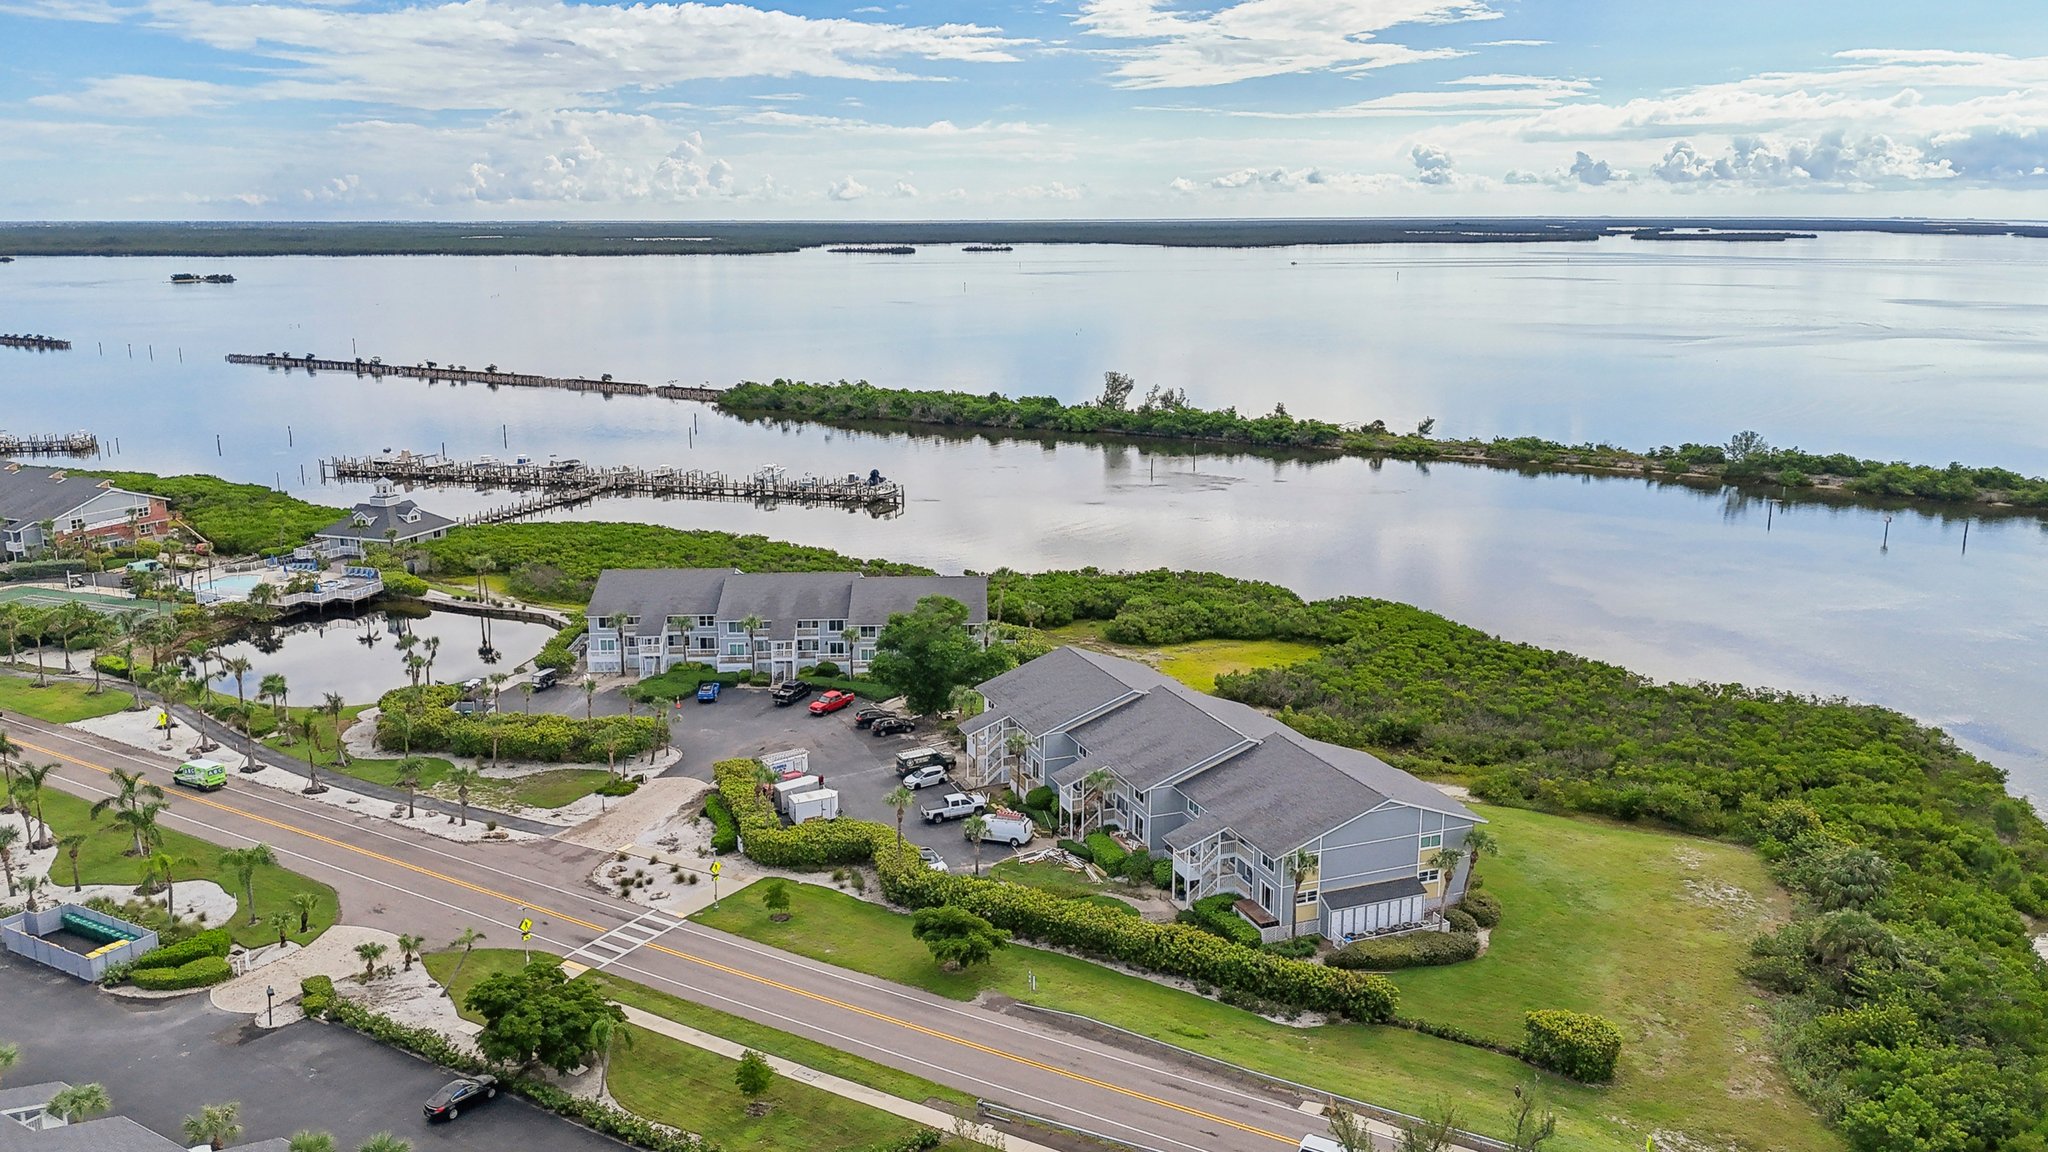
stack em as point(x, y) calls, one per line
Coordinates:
point(954, 806)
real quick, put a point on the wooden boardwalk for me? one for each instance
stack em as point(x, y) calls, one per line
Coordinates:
point(432, 373)
point(36, 343)
point(75, 444)
point(559, 485)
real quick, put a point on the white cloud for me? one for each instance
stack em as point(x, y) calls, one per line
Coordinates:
point(1468, 96)
point(1306, 180)
point(1591, 172)
point(1257, 38)
point(1511, 43)
point(1053, 191)
point(776, 118)
point(1181, 184)
point(904, 190)
point(846, 188)
point(1833, 158)
point(139, 96)
point(1433, 165)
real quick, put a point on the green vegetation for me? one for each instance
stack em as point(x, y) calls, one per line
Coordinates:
point(237, 518)
point(62, 702)
point(1390, 1066)
point(929, 654)
point(560, 562)
point(103, 860)
point(416, 720)
point(538, 1015)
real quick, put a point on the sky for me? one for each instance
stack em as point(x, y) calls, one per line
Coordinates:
point(1020, 109)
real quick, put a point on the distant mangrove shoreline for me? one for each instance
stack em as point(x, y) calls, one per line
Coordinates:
point(1746, 461)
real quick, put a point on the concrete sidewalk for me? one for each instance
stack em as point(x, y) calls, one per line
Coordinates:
point(918, 1113)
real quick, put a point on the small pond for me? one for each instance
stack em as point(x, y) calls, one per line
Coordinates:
point(358, 656)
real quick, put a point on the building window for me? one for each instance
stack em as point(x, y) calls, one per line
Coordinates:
point(870, 631)
point(1194, 809)
point(1266, 897)
point(1428, 875)
point(707, 621)
point(807, 647)
point(807, 625)
point(836, 648)
point(739, 649)
point(78, 526)
point(632, 621)
point(1244, 870)
point(1432, 840)
point(735, 628)
point(607, 644)
point(1265, 862)
point(864, 655)
point(835, 626)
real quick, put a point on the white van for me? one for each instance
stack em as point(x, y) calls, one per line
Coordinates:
point(1003, 826)
point(1315, 1143)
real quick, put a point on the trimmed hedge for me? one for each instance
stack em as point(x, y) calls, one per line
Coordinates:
point(1041, 797)
point(211, 942)
point(725, 831)
point(1031, 914)
point(520, 736)
point(1218, 915)
point(556, 654)
point(1575, 1044)
point(195, 974)
point(316, 993)
point(112, 665)
point(1077, 850)
point(1483, 907)
point(1106, 852)
point(1461, 921)
point(1414, 950)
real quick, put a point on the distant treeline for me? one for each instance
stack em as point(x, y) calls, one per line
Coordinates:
point(646, 238)
point(1746, 460)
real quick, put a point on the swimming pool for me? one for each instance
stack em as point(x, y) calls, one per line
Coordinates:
point(234, 586)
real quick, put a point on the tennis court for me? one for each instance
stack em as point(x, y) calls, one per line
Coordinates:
point(33, 596)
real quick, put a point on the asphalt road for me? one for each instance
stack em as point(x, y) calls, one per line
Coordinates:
point(403, 881)
point(162, 1059)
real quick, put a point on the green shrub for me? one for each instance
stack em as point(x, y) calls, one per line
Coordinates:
point(1041, 797)
point(420, 719)
point(1077, 850)
point(725, 831)
point(828, 669)
point(1295, 947)
point(111, 665)
point(1217, 915)
point(1461, 921)
point(1575, 1044)
point(810, 846)
point(316, 993)
point(1414, 950)
point(1137, 867)
point(193, 974)
point(212, 942)
point(1483, 907)
point(760, 680)
point(617, 786)
point(1106, 852)
point(1162, 873)
point(399, 582)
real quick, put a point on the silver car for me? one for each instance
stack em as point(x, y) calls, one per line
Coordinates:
point(924, 777)
point(932, 860)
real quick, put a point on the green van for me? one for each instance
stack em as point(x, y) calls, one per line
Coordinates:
point(205, 775)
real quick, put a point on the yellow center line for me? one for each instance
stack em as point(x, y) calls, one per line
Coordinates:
point(741, 973)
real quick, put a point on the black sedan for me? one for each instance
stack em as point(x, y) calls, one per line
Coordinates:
point(889, 725)
point(467, 1092)
point(867, 716)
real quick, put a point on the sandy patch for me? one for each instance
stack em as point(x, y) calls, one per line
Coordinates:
point(651, 817)
point(137, 729)
point(202, 900)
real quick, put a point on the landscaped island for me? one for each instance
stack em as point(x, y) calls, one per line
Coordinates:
point(1746, 461)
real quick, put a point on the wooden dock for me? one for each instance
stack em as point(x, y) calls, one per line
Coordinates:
point(75, 444)
point(559, 485)
point(34, 343)
point(457, 374)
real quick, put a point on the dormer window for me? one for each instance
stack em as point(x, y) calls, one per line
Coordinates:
point(361, 520)
point(412, 517)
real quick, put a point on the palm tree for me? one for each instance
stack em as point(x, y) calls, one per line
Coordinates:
point(899, 798)
point(132, 790)
point(261, 597)
point(28, 794)
point(79, 1101)
point(274, 689)
point(10, 1055)
point(976, 826)
point(9, 836)
point(406, 643)
point(70, 619)
point(369, 952)
point(141, 823)
point(305, 904)
point(244, 862)
point(409, 779)
point(752, 624)
point(333, 704)
point(433, 647)
point(385, 1142)
point(464, 778)
point(1300, 866)
point(238, 667)
point(216, 1125)
point(604, 1033)
point(30, 885)
point(498, 681)
point(12, 627)
point(1095, 788)
point(526, 689)
point(308, 1140)
point(466, 941)
point(409, 947)
point(162, 864)
point(8, 751)
point(589, 686)
point(37, 623)
point(1478, 842)
point(1445, 860)
point(282, 921)
point(71, 844)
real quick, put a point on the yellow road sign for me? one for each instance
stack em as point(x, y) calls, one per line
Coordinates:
point(716, 867)
point(526, 928)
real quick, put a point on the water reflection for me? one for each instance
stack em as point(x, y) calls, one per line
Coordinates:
point(360, 657)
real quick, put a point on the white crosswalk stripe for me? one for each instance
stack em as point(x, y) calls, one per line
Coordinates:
point(620, 942)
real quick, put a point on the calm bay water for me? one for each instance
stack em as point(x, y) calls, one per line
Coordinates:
point(1918, 348)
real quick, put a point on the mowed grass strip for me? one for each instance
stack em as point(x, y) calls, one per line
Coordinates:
point(102, 860)
point(62, 702)
point(1643, 927)
point(1195, 664)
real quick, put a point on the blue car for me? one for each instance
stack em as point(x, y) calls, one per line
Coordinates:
point(707, 692)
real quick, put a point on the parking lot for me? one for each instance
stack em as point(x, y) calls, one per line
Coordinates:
point(162, 1059)
point(744, 722)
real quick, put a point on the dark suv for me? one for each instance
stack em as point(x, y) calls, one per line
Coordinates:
point(789, 692)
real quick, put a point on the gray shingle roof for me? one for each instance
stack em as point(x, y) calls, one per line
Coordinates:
point(1052, 690)
point(33, 493)
point(783, 598)
point(1156, 737)
point(655, 594)
point(105, 1134)
point(1363, 894)
point(1195, 831)
point(876, 598)
point(30, 1095)
point(1279, 795)
point(385, 518)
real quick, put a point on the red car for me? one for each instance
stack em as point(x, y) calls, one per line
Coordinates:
point(831, 701)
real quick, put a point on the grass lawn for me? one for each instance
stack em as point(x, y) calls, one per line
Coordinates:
point(1642, 927)
point(550, 789)
point(323, 750)
point(1050, 877)
point(487, 961)
point(101, 861)
point(1196, 665)
point(61, 703)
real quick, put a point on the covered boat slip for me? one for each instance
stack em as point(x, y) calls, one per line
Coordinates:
point(1373, 909)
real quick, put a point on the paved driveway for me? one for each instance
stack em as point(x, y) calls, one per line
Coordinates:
point(162, 1059)
point(745, 722)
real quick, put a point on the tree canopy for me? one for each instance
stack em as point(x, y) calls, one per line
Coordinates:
point(928, 652)
point(538, 1015)
point(957, 938)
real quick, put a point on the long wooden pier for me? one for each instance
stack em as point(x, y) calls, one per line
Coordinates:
point(452, 373)
point(560, 484)
point(73, 444)
point(35, 343)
